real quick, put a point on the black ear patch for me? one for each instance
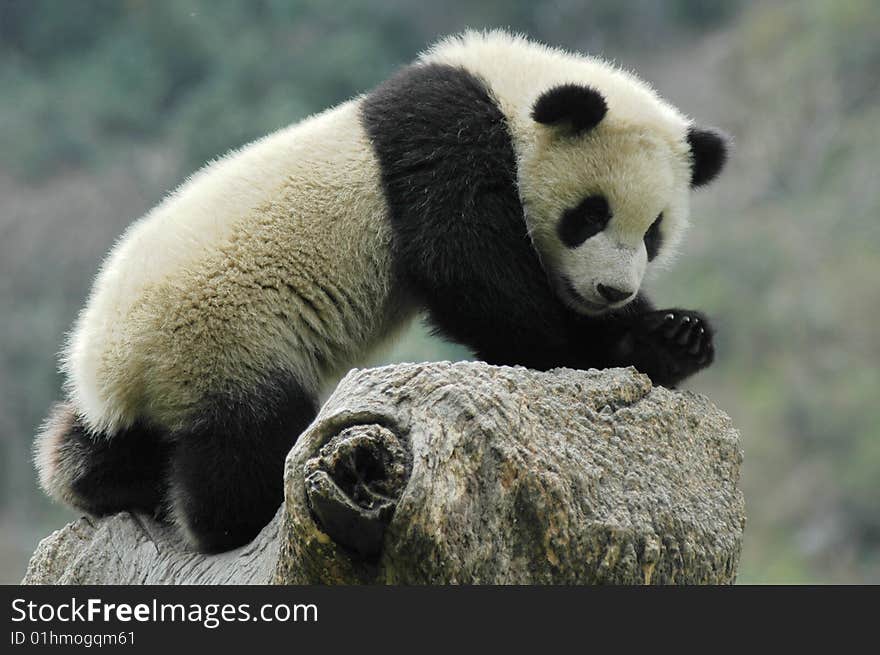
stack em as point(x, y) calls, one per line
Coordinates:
point(708, 154)
point(580, 106)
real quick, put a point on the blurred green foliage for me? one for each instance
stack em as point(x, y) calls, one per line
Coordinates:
point(110, 103)
point(98, 76)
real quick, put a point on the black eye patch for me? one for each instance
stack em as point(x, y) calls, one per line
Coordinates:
point(653, 238)
point(584, 221)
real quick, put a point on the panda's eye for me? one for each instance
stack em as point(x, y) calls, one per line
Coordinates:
point(653, 238)
point(584, 221)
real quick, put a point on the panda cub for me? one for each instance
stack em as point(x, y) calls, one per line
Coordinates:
point(515, 192)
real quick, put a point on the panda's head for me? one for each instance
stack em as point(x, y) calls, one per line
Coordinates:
point(606, 196)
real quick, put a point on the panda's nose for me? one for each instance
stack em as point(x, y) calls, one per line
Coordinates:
point(612, 294)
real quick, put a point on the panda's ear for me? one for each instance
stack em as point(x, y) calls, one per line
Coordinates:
point(708, 154)
point(578, 106)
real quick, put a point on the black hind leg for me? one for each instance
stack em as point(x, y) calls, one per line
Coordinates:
point(99, 474)
point(226, 479)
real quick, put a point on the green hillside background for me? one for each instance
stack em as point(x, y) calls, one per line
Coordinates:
point(108, 104)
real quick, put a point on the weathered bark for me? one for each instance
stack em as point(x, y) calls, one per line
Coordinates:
point(468, 473)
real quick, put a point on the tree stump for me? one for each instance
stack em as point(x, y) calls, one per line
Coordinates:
point(467, 473)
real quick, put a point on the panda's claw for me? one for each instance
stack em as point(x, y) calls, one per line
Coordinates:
point(679, 328)
point(671, 327)
point(655, 322)
point(681, 338)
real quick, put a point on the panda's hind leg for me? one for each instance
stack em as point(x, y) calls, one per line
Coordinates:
point(226, 475)
point(97, 473)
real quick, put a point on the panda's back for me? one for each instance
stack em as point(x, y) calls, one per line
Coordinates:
point(274, 259)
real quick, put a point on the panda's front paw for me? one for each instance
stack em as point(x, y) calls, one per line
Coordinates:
point(688, 335)
point(674, 344)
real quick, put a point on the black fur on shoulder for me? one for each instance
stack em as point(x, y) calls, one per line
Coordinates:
point(460, 242)
point(582, 107)
point(708, 154)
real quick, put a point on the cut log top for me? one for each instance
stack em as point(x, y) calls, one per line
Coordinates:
point(467, 473)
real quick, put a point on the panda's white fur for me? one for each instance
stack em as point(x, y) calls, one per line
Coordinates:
point(221, 281)
point(278, 257)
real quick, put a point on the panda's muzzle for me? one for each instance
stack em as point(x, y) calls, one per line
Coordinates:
point(613, 294)
point(616, 298)
point(575, 298)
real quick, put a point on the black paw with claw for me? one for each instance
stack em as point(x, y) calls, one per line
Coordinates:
point(675, 343)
